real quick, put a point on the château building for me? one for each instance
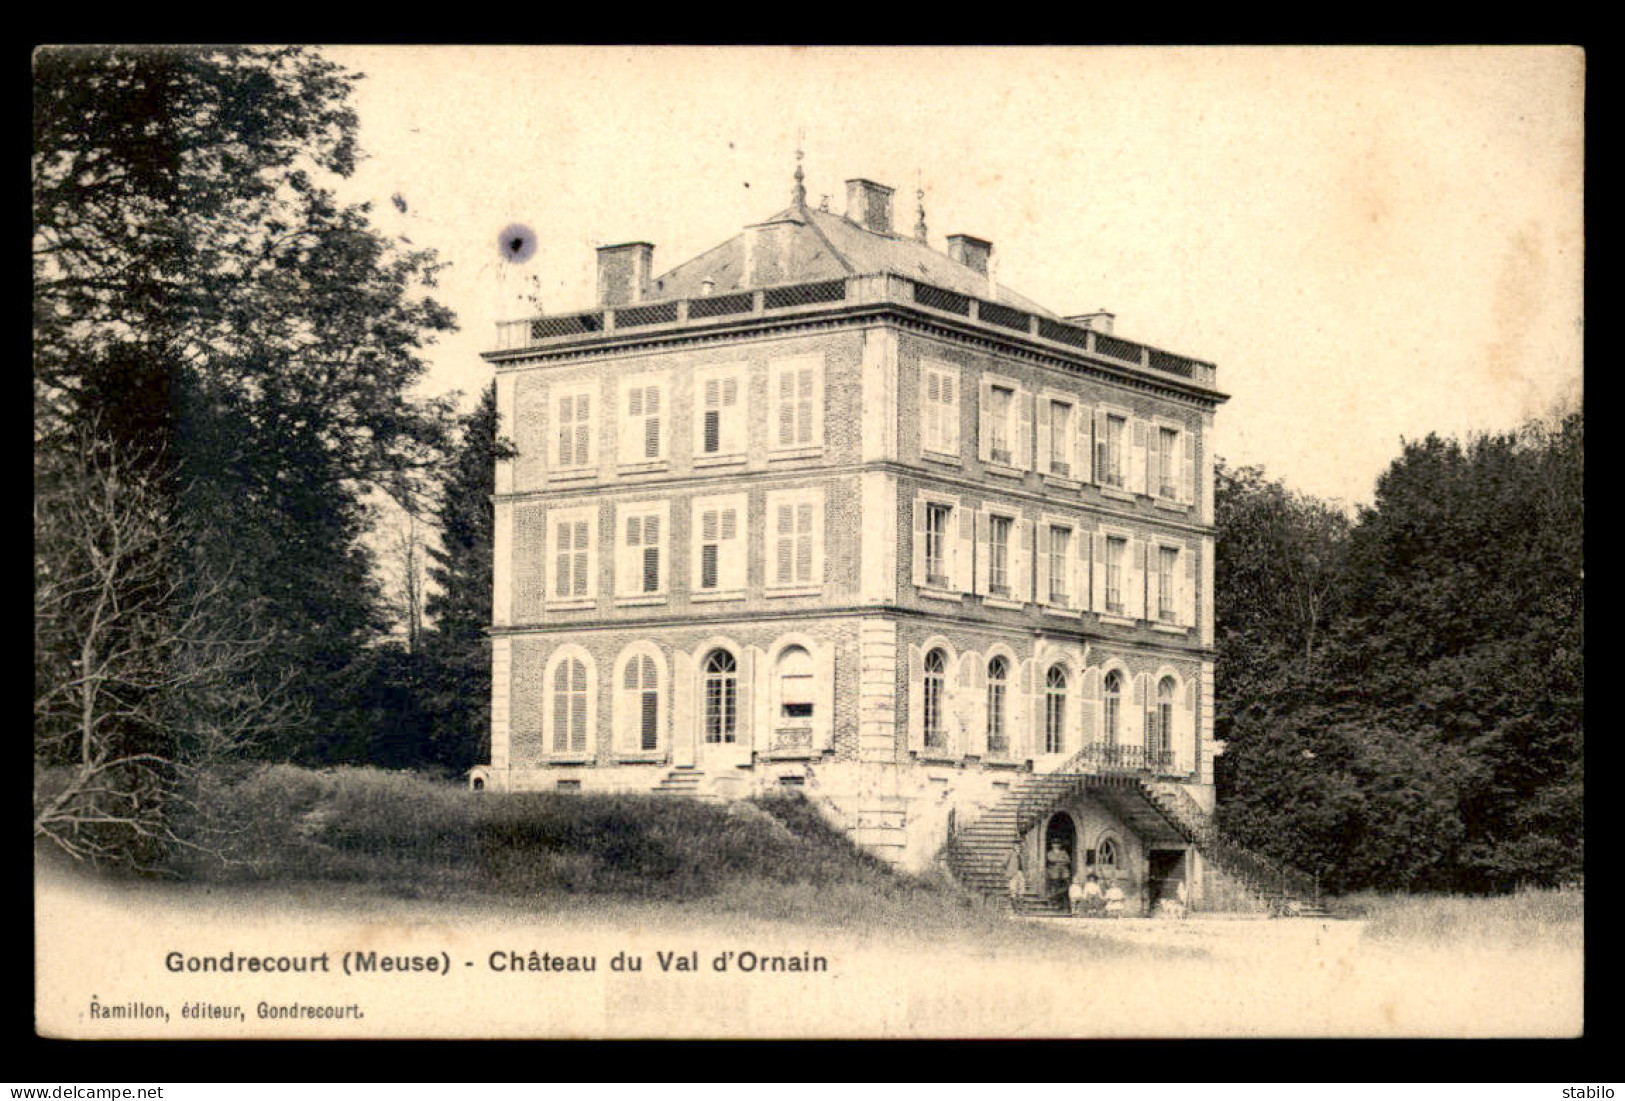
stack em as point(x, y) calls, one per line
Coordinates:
point(827, 508)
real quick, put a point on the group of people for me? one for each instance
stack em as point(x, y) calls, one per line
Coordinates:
point(1092, 895)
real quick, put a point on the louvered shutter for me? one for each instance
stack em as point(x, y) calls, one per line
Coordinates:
point(931, 433)
point(1185, 755)
point(1083, 446)
point(653, 446)
point(1098, 573)
point(629, 436)
point(787, 407)
point(1024, 430)
point(1187, 448)
point(916, 699)
point(964, 522)
point(783, 556)
point(1135, 482)
point(685, 717)
point(950, 412)
point(1043, 454)
point(813, 537)
point(1134, 715)
point(1021, 550)
point(1102, 451)
point(732, 566)
point(919, 542)
point(984, 526)
point(1089, 707)
point(984, 423)
point(1080, 570)
point(628, 551)
point(563, 556)
point(1187, 590)
point(1153, 459)
point(1134, 599)
point(1042, 592)
point(808, 404)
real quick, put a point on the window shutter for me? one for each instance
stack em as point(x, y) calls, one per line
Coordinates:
point(787, 407)
point(1187, 450)
point(1153, 459)
point(651, 425)
point(1043, 453)
point(1097, 587)
point(1082, 447)
point(1080, 570)
point(950, 412)
point(1089, 706)
point(1185, 757)
point(1134, 581)
point(916, 699)
point(931, 434)
point(807, 404)
point(685, 713)
point(1187, 591)
point(804, 542)
point(732, 554)
point(1134, 713)
point(1135, 460)
point(784, 543)
point(1045, 534)
point(1024, 430)
point(629, 540)
point(628, 439)
point(984, 423)
point(976, 704)
point(919, 542)
point(1101, 459)
point(1021, 550)
point(964, 547)
point(749, 726)
point(983, 526)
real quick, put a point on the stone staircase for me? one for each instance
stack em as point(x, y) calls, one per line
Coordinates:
point(980, 852)
point(681, 781)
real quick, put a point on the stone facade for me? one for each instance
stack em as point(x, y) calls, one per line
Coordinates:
point(899, 544)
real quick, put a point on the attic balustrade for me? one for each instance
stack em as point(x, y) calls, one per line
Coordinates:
point(791, 299)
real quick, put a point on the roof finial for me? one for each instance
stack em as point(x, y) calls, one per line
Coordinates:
point(799, 196)
point(919, 195)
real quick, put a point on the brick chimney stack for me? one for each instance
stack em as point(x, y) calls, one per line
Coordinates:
point(973, 252)
point(624, 272)
point(869, 205)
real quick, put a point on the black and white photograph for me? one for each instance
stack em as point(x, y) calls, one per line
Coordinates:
point(808, 542)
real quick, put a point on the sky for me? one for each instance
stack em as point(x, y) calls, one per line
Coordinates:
point(1371, 244)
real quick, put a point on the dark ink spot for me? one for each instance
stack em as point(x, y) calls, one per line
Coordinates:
point(517, 243)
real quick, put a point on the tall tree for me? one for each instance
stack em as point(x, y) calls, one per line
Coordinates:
point(204, 302)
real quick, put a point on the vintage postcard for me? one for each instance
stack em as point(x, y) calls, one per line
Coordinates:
point(793, 542)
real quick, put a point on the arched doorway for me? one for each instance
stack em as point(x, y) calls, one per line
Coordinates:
point(1060, 853)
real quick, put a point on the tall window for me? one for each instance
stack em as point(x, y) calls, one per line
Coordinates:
point(721, 698)
point(1116, 552)
point(1060, 438)
point(936, 544)
point(998, 681)
point(998, 554)
point(793, 541)
point(1112, 474)
point(721, 396)
point(642, 687)
point(798, 404)
point(643, 547)
point(1167, 454)
point(1060, 551)
point(571, 540)
point(1000, 404)
point(575, 429)
point(719, 527)
point(1167, 566)
point(1159, 738)
point(570, 707)
point(1055, 711)
point(939, 411)
point(936, 668)
point(1113, 706)
point(795, 687)
point(640, 439)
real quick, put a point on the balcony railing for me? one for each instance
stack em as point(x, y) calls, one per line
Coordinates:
point(855, 290)
point(1104, 757)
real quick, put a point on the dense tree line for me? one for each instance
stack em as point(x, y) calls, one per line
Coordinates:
point(1402, 693)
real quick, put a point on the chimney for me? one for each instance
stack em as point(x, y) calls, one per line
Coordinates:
point(1100, 321)
point(869, 205)
point(623, 273)
point(973, 252)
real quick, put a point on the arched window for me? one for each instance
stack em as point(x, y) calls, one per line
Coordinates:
point(570, 707)
point(641, 684)
point(721, 697)
point(1114, 702)
point(795, 687)
point(936, 666)
point(1159, 738)
point(998, 680)
point(1055, 711)
point(1106, 856)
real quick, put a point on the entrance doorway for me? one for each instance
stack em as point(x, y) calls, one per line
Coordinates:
point(1060, 853)
point(1165, 871)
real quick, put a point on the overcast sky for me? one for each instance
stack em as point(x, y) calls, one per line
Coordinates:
point(1371, 244)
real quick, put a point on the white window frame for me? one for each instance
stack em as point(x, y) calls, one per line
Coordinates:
point(807, 506)
point(959, 543)
point(1018, 427)
point(939, 420)
point(580, 465)
point(1178, 598)
point(732, 554)
point(812, 400)
point(632, 429)
point(628, 705)
point(629, 561)
point(1050, 442)
point(1049, 525)
point(733, 427)
point(1123, 571)
point(587, 514)
point(1125, 452)
point(550, 732)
